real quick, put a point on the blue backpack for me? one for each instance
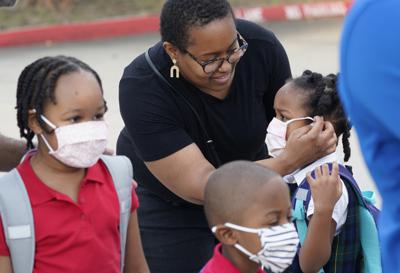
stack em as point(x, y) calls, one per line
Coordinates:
point(356, 247)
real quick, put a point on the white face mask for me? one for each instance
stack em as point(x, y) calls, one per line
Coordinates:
point(278, 246)
point(80, 145)
point(276, 135)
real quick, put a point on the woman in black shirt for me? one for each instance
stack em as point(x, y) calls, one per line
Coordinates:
point(177, 132)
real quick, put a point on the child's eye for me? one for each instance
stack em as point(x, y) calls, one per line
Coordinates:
point(99, 116)
point(281, 117)
point(284, 118)
point(274, 223)
point(74, 119)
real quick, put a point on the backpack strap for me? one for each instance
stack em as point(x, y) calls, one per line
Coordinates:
point(121, 172)
point(300, 213)
point(365, 198)
point(369, 236)
point(17, 218)
point(300, 203)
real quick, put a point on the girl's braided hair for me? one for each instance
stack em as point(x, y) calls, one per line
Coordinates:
point(36, 86)
point(323, 100)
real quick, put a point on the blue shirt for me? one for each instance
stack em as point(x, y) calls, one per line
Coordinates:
point(370, 90)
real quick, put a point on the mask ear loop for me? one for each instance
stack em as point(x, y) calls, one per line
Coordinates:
point(252, 257)
point(296, 119)
point(240, 228)
point(48, 122)
point(47, 144)
point(52, 126)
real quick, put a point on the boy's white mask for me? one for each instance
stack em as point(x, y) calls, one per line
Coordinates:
point(276, 135)
point(80, 145)
point(278, 246)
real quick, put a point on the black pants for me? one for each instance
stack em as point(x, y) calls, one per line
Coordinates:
point(175, 238)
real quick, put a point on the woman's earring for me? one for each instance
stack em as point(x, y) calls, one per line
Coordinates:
point(174, 71)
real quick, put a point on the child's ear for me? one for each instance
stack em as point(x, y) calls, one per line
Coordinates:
point(33, 123)
point(226, 235)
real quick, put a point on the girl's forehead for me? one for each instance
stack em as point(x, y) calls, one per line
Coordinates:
point(290, 97)
point(286, 94)
point(76, 81)
point(76, 88)
point(288, 89)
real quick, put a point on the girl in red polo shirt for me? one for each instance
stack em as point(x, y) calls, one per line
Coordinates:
point(74, 202)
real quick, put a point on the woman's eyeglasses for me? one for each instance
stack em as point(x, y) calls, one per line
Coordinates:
point(213, 65)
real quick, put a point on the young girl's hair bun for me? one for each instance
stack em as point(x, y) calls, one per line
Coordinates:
point(312, 77)
point(330, 82)
point(307, 73)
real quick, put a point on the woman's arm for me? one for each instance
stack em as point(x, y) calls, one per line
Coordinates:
point(135, 261)
point(12, 151)
point(326, 190)
point(186, 171)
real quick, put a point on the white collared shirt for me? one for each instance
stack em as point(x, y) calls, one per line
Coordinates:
point(340, 211)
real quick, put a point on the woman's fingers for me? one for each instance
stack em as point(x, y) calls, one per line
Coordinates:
point(316, 128)
point(299, 132)
point(328, 137)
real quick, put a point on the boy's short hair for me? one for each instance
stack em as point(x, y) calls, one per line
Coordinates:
point(231, 189)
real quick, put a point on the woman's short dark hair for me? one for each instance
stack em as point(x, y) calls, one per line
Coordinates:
point(178, 16)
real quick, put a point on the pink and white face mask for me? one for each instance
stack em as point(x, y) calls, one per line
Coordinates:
point(80, 145)
point(276, 135)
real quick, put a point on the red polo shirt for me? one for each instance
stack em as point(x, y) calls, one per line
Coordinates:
point(74, 237)
point(220, 264)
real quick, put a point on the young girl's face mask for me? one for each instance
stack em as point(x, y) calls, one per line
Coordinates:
point(80, 145)
point(278, 246)
point(276, 135)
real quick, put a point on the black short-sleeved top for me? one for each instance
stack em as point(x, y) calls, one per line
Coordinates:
point(159, 123)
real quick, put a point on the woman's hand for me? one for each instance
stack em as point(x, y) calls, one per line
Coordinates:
point(309, 143)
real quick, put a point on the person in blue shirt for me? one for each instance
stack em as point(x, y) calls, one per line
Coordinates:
point(370, 90)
